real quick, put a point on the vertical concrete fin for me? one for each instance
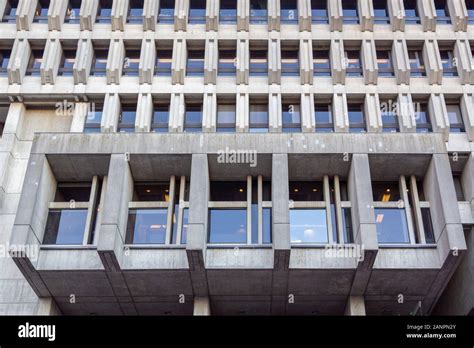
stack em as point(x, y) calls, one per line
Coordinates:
point(243, 14)
point(341, 117)
point(369, 61)
point(242, 61)
point(432, 60)
point(355, 306)
point(115, 61)
point(210, 61)
point(150, 14)
point(306, 61)
point(242, 112)
point(177, 107)
point(212, 15)
point(372, 112)
point(88, 14)
point(427, 11)
point(146, 66)
point(458, 11)
point(181, 12)
point(396, 12)
point(209, 112)
point(119, 14)
point(81, 111)
point(338, 61)
point(83, 62)
point(25, 13)
point(274, 112)
point(401, 62)
point(335, 15)
point(274, 61)
point(144, 113)
point(464, 62)
point(51, 60)
point(308, 122)
point(439, 115)
point(56, 14)
point(406, 113)
point(366, 14)
point(273, 15)
point(18, 63)
point(110, 113)
point(202, 306)
point(305, 15)
point(467, 110)
point(178, 65)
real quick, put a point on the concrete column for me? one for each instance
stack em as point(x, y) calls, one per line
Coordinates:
point(51, 60)
point(82, 65)
point(406, 113)
point(177, 106)
point(243, 15)
point(115, 61)
point(274, 61)
point(110, 113)
point(202, 306)
point(146, 67)
point(178, 65)
point(18, 63)
point(144, 113)
point(81, 111)
point(308, 122)
point(209, 112)
point(197, 222)
point(467, 180)
point(458, 12)
point(242, 112)
point(210, 61)
point(355, 306)
point(306, 61)
point(274, 112)
point(363, 218)
point(181, 12)
point(338, 61)
point(47, 306)
point(396, 11)
point(113, 226)
point(242, 61)
point(366, 14)
point(467, 110)
point(369, 62)
point(3, 4)
point(119, 14)
point(88, 14)
point(464, 61)
point(432, 60)
point(150, 14)
point(273, 15)
point(304, 14)
point(212, 15)
point(373, 113)
point(427, 11)
point(335, 15)
point(340, 114)
point(25, 13)
point(56, 14)
point(401, 62)
point(439, 115)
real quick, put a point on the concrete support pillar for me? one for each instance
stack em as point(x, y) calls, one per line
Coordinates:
point(242, 61)
point(209, 112)
point(25, 13)
point(458, 12)
point(202, 306)
point(355, 306)
point(51, 60)
point(144, 113)
point(467, 110)
point(467, 180)
point(115, 61)
point(406, 113)
point(401, 62)
point(427, 11)
point(3, 6)
point(18, 63)
point(56, 14)
point(273, 15)
point(242, 112)
point(373, 113)
point(212, 15)
point(47, 306)
point(110, 113)
point(335, 15)
point(88, 14)
point(396, 12)
point(439, 115)
point(113, 226)
point(432, 60)
point(177, 108)
point(81, 111)
point(369, 61)
point(150, 14)
point(306, 61)
point(181, 12)
point(366, 14)
point(464, 61)
point(243, 15)
point(308, 122)
point(274, 61)
point(178, 65)
point(119, 14)
point(197, 223)
point(82, 65)
point(274, 112)
point(210, 61)
point(146, 67)
point(338, 61)
point(340, 114)
point(304, 15)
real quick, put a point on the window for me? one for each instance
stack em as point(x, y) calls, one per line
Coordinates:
point(356, 118)
point(349, 12)
point(131, 62)
point(4, 60)
point(422, 117)
point(290, 60)
point(442, 13)
point(195, 64)
point(323, 117)
point(34, 65)
point(41, 12)
point(135, 12)
point(389, 116)
point(291, 117)
point(72, 12)
point(228, 12)
point(166, 12)
point(193, 117)
point(197, 11)
point(258, 122)
point(470, 11)
point(3, 118)
point(416, 63)
point(161, 116)
point(321, 63)
point(288, 11)
point(380, 12)
point(9, 15)
point(227, 62)
point(93, 119)
point(258, 12)
point(319, 12)
point(384, 62)
point(258, 62)
point(164, 59)
point(411, 12)
point(104, 11)
point(353, 65)
point(456, 124)
point(385, 191)
point(99, 62)
point(448, 60)
point(126, 123)
point(458, 187)
point(67, 62)
point(226, 115)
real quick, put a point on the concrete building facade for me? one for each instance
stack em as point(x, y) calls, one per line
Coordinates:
point(249, 157)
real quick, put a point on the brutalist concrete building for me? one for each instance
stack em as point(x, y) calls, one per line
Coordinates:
point(248, 157)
